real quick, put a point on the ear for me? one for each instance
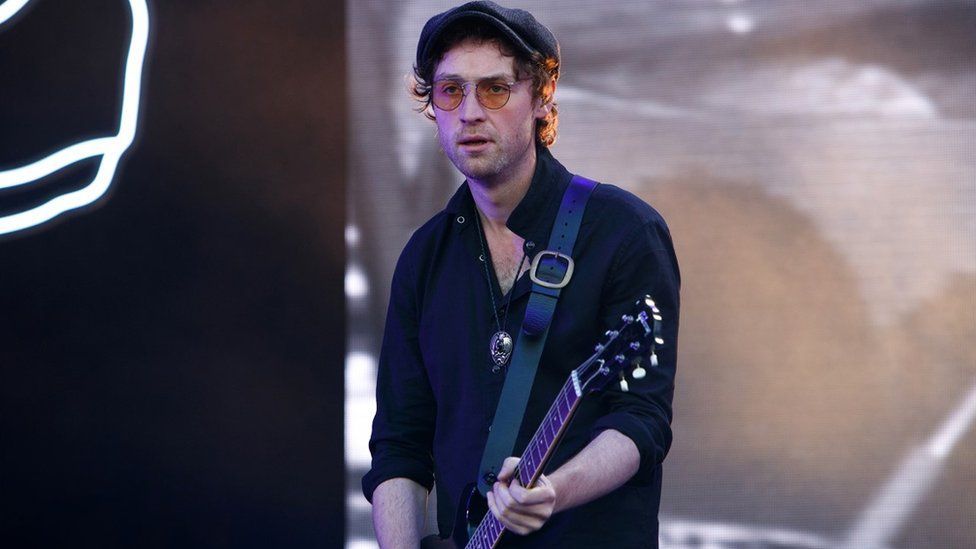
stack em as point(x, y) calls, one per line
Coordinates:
point(543, 107)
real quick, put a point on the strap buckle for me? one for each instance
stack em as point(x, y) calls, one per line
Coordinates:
point(568, 274)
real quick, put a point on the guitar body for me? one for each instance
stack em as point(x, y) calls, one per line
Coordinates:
point(471, 509)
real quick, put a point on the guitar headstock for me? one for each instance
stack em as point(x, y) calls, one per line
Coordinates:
point(628, 347)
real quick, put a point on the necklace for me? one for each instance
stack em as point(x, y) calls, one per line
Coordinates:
point(500, 345)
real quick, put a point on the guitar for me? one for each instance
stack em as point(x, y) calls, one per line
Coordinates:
point(624, 347)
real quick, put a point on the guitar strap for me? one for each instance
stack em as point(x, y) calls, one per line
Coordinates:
point(551, 270)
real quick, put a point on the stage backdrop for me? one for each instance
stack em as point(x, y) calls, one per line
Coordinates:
point(816, 164)
point(171, 354)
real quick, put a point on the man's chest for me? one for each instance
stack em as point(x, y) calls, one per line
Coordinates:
point(507, 258)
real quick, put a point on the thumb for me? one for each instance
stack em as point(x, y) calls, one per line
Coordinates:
point(508, 468)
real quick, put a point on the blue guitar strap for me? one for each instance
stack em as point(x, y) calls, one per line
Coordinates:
point(551, 271)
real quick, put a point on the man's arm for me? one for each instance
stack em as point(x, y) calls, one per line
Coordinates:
point(402, 471)
point(399, 507)
point(604, 465)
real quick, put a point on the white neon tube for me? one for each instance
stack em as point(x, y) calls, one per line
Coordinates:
point(110, 149)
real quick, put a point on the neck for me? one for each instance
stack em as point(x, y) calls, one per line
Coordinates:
point(496, 199)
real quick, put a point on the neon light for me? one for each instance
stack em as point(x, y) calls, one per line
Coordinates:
point(10, 8)
point(110, 149)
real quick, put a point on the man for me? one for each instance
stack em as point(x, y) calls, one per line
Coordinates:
point(486, 75)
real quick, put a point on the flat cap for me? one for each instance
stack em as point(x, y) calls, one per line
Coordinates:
point(520, 26)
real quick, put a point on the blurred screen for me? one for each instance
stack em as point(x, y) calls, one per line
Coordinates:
point(815, 162)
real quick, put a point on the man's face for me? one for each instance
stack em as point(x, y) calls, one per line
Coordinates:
point(484, 144)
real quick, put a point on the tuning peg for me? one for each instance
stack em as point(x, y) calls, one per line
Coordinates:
point(634, 345)
point(654, 360)
point(620, 359)
point(611, 333)
point(623, 383)
point(599, 348)
point(627, 319)
point(639, 372)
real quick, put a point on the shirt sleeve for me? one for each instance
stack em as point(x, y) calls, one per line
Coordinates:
point(645, 263)
point(403, 428)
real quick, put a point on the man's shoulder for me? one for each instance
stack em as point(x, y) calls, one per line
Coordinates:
point(621, 208)
point(429, 233)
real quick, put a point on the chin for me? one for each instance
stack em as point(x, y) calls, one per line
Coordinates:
point(477, 167)
point(481, 172)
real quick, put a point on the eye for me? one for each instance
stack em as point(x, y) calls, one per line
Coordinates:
point(497, 87)
point(449, 88)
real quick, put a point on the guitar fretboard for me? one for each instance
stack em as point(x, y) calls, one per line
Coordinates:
point(534, 458)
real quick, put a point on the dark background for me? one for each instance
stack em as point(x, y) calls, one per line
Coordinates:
point(171, 359)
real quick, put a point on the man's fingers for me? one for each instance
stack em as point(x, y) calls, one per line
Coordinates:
point(519, 509)
point(503, 495)
point(508, 469)
point(500, 505)
point(534, 496)
point(524, 505)
point(492, 506)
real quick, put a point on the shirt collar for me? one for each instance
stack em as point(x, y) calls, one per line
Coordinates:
point(533, 217)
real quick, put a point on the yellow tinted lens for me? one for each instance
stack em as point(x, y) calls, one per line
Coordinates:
point(493, 94)
point(447, 95)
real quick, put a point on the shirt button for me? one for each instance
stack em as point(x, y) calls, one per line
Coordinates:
point(495, 369)
point(529, 246)
point(460, 219)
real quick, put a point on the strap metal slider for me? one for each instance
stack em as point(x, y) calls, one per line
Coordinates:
point(567, 275)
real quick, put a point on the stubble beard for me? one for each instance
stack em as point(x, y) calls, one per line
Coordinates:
point(485, 167)
point(489, 166)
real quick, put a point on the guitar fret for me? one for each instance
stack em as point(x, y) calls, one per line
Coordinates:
point(531, 458)
point(495, 527)
point(571, 398)
point(525, 468)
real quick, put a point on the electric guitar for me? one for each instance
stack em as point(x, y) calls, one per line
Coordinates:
point(625, 347)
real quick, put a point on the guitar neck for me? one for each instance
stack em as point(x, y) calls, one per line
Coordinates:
point(537, 454)
point(539, 450)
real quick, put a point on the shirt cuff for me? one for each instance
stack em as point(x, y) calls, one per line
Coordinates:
point(637, 430)
point(378, 475)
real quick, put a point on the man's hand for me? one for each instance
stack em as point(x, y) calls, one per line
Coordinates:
point(521, 510)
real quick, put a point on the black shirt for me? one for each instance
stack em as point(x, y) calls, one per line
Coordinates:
point(436, 392)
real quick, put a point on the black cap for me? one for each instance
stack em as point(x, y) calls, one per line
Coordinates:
point(519, 26)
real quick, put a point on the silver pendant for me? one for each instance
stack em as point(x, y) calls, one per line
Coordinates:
point(500, 348)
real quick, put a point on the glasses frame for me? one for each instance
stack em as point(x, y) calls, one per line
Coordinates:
point(464, 91)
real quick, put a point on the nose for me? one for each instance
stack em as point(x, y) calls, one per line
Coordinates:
point(470, 109)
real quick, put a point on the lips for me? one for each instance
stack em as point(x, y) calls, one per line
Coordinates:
point(473, 144)
point(473, 140)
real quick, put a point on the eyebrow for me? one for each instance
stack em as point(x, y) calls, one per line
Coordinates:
point(497, 76)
